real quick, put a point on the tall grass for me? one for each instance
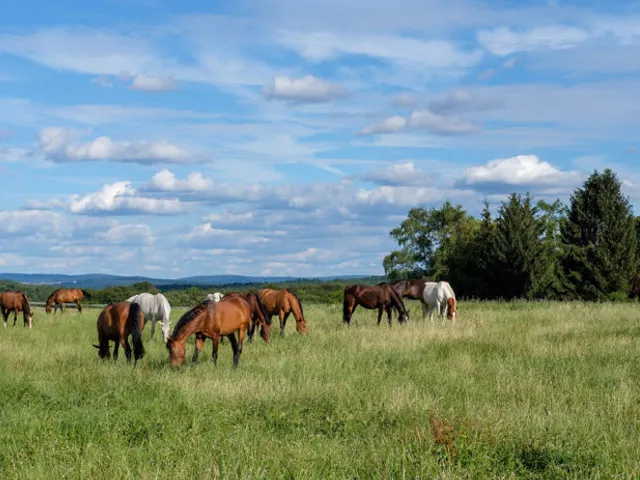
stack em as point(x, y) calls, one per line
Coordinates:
point(514, 390)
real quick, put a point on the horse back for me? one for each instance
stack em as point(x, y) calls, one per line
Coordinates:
point(231, 315)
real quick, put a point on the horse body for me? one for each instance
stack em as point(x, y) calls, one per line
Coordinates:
point(439, 294)
point(283, 303)
point(116, 322)
point(15, 302)
point(65, 295)
point(155, 307)
point(211, 320)
point(214, 297)
point(381, 296)
point(412, 289)
point(259, 314)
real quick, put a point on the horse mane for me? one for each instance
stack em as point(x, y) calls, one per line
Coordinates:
point(298, 299)
point(190, 315)
point(53, 294)
point(26, 304)
point(261, 306)
point(85, 293)
point(396, 300)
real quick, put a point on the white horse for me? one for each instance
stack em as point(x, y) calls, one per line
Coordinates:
point(216, 297)
point(438, 295)
point(155, 307)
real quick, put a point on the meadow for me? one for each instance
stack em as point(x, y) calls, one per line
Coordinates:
point(513, 390)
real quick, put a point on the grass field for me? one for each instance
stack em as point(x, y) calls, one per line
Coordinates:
point(514, 390)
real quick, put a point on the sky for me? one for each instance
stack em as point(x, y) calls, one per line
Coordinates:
point(288, 137)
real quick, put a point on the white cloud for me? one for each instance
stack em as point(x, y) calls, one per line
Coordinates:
point(399, 174)
point(59, 145)
point(195, 182)
point(388, 125)
point(307, 89)
point(459, 101)
point(121, 198)
point(133, 234)
point(31, 222)
point(526, 171)
point(505, 41)
point(15, 155)
point(149, 83)
point(426, 120)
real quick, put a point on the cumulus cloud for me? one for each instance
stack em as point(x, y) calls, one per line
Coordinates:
point(399, 174)
point(121, 198)
point(423, 119)
point(61, 145)
point(524, 171)
point(25, 223)
point(388, 125)
point(307, 89)
point(167, 181)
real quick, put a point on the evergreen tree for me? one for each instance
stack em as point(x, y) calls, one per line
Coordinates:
point(599, 240)
point(519, 255)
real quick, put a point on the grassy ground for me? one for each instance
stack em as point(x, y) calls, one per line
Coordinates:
point(513, 391)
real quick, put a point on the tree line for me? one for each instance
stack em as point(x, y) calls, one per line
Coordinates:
point(586, 250)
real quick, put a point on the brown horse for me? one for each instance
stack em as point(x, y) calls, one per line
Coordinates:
point(413, 290)
point(116, 322)
point(283, 302)
point(211, 320)
point(259, 314)
point(381, 296)
point(15, 302)
point(65, 295)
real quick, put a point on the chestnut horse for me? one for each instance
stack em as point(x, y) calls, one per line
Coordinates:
point(65, 295)
point(15, 302)
point(259, 315)
point(413, 290)
point(283, 302)
point(116, 322)
point(381, 296)
point(211, 320)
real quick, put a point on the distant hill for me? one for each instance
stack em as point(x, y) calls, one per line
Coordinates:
point(98, 281)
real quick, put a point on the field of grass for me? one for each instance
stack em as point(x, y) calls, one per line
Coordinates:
point(514, 390)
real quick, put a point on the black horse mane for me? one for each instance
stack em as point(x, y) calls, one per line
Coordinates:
point(263, 309)
point(190, 315)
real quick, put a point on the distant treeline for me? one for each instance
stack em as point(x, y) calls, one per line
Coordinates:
point(312, 291)
point(587, 250)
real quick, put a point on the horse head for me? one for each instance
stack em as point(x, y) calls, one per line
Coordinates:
point(452, 310)
point(176, 352)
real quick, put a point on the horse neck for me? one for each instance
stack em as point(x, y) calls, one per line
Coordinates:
point(26, 307)
point(396, 301)
point(296, 307)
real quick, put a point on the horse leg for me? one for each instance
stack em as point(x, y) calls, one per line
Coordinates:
point(15, 316)
point(127, 348)
point(5, 314)
point(252, 329)
point(214, 354)
point(380, 309)
point(79, 306)
point(388, 309)
point(153, 327)
point(200, 339)
point(236, 349)
point(433, 307)
point(283, 323)
point(116, 347)
point(241, 334)
point(424, 310)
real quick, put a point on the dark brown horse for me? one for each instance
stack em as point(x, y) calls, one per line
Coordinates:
point(283, 302)
point(15, 302)
point(211, 320)
point(116, 322)
point(259, 314)
point(381, 296)
point(65, 295)
point(413, 290)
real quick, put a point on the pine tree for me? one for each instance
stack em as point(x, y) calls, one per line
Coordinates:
point(520, 254)
point(599, 240)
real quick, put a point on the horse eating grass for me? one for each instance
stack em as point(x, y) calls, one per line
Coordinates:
point(412, 289)
point(438, 295)
point(283, 302)
point(65, 295)
point(15, 302)
point(211, 320)
point(116, 322)
point(155, 307)
point(381, 296)
point(259, 314)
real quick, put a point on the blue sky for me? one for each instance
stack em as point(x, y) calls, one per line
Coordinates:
point(287, 137)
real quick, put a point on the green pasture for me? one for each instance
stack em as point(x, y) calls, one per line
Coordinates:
point(513, 390)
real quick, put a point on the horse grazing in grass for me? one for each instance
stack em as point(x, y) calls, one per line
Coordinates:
point(15, 302)
point(65, 295)
point(214, 297)
point(381, 296)
point(413, 290)
point(155, 307)
point(283, 302)
point(211, 320)
point(440, 295)
point(116, 322)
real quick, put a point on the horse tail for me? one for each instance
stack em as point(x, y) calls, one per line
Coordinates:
point(136, 332)
point(85, 293)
